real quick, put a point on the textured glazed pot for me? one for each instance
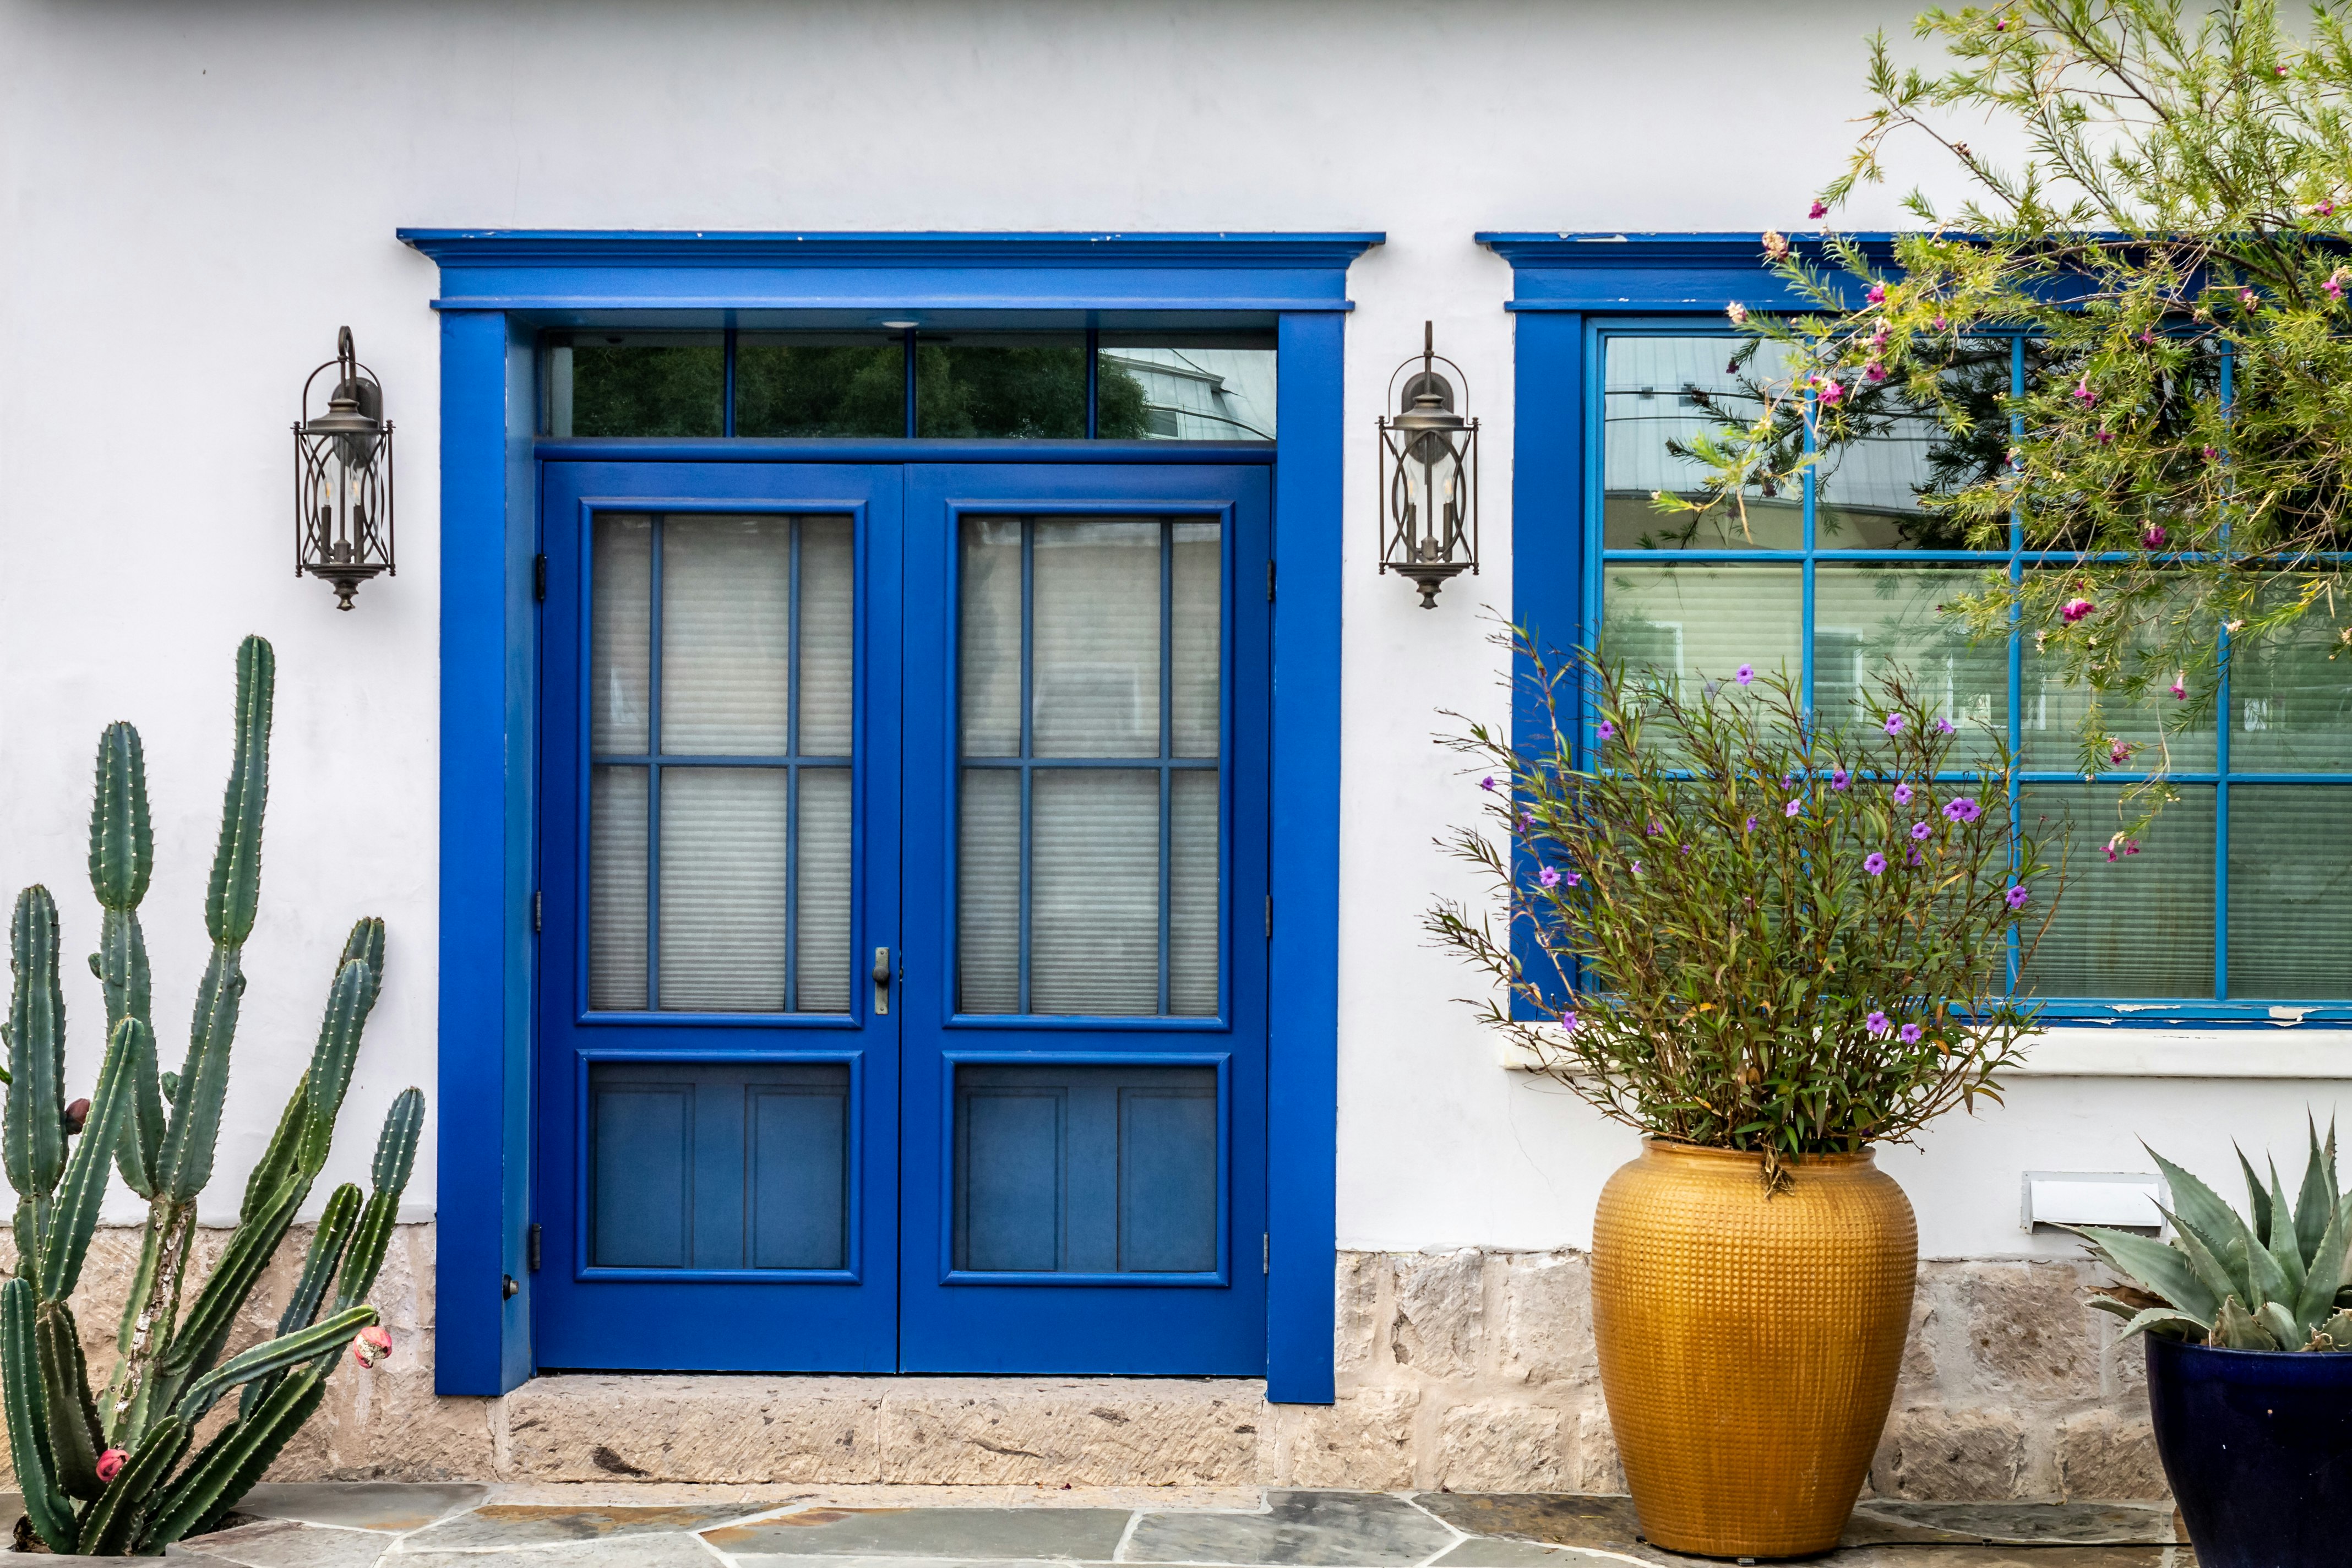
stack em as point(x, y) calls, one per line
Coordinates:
point(2258, 1447)
point(1749, 1345)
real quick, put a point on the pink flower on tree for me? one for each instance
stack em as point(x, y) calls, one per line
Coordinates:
point(1738, 312)
point(1830, 391)
point(2180, 685)
point(2154, 536)
point(1876, 294)
point(1874, 371)
point(2084, 395)
point(1819, 210)
point(2075, 609)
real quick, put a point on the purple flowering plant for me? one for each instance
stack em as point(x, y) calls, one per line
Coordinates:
point(1724, 996)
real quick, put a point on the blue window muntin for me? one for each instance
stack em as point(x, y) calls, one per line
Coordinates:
point(1595, 557)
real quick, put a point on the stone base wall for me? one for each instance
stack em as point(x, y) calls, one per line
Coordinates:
point(1470, 1370)
point(1475, 1369)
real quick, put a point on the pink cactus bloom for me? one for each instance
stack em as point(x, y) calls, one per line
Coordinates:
point(2075, 609)
point(371, 1345)
point(110, 1465)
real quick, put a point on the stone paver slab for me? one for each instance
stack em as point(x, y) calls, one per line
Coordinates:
point(1494, 1554)
point(361, 1505)
point(1920, 1555)
point(1361, 1530)
point(637, 1552)
point(2013, 1524)
point(540, 1524)
point(281, 1544)
point(1605, 1522)
point(1060, 1535)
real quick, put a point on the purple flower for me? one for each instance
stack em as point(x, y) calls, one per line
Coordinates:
point(1874, 863)
point(1943, 726)
point(1486, 782)
point(1894, 723)
point(2118, 753)
point(1548, 876)
point(1567, 1022)
point(1606, 731)
point(1909, 1034)
point(1817, 211)
point(1751, 825)
point(1573, 879)
point(1637, 867)
point(1792, 808)
point(1919, 831)
point(2084, 395)
point(1876, 1023)
point(1652, 831)
point(2211, 453)
point(1744, 674)
point(1903, 795)
point(2017, 897)
point(1527, 823)
point(1912, 857)
point(1962, 808)
point(1840, 778)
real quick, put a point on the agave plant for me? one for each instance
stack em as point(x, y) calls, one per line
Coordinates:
point(105, 1477)
point(2279, 1282)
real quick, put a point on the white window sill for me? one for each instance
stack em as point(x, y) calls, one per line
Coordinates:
point(2077, 1050)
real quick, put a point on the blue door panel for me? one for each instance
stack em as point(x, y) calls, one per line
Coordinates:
point(717, 1177)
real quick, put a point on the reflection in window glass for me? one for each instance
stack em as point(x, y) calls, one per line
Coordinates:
point(2050, 721)
point(1686, 624)
point(2140, 925)
point(821, 384)
point(637, 383)
point(2290, 890)
point(1869, 488)
point(1660, 392)
point(991, 384)
point(1872, 621)
point(1184, 386)
point(2291, 695)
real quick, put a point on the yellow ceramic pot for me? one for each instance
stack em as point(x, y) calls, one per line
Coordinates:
point(1749, 1345)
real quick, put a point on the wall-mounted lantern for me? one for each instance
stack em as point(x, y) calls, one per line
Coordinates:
point(342, 478)
point(1429, 473)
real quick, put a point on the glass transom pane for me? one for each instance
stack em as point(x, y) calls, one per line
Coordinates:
point(720, 687)
point(1092, 718)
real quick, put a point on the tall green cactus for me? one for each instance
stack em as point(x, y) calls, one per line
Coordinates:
point(107, 1478)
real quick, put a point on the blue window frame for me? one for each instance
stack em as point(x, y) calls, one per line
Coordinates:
point(1621, 340)
point(499, 291)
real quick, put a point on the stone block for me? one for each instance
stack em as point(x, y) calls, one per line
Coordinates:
point(1363, 1442)
point(2105, 1456)
point(1546, 1320)
point(1950, 1456)
point(723, 1429)
point(1081, 1431)
point(2030, 1337)
point(1361, 1345)
point(386, 1424)
point(1917, 1382)
point(1493, 1446)
point(1593, 1464)
point(1441, 1301)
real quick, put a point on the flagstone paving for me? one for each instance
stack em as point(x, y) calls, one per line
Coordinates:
point(388, 1525)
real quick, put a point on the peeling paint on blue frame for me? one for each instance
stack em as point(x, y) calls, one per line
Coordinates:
point(498, 287)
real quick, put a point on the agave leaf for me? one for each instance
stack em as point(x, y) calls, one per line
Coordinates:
point(2159, 1319)
point(2098, 1303)
point(2162, 1270)
point(2258, 1202)
point(2325, 1276)
point(2335, 1335)
point(2201, 1210)
point(2238, 1330)
point(2317, 1202)
point(2283, 1329)
point(2284, 1244)
point(2216, 1276)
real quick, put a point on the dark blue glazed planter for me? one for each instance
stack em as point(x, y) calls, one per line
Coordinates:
point(2258, 1447)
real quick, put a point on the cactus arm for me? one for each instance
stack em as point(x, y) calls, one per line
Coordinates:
point(197, 1342)
point(73, 1440)
point(281, 1160)
point(193, 1135)
point(28, 1419)
point(326, 1250)
point(322, 1337)
point(234, 894)
point(75, 1214)
point(106, 1529)
point(396, 1155)
point(172, 1229)
point(348, 1004)
point(211, 1480)
point(122, 859)
point(120, 964)
point(31, 1128)
point(122, 834)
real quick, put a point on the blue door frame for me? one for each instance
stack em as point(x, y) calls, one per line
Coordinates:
point(497, 289)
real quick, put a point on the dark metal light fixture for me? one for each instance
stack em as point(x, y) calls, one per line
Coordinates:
point(342, 479)
point(1428, 474)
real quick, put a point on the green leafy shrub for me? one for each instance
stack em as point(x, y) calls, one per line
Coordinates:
point(1742, 929)
point(2279, 1282)
point(106, 1477)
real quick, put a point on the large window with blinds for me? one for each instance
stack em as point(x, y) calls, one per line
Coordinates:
point(2238, 902)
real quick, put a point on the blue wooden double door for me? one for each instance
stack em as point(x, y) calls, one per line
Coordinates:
point(902, 971)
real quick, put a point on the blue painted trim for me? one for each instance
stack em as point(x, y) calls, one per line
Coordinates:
point(887, 449)
point(1303, 1008)
point(489, 660)
point(912, 272)
point(1617, 272)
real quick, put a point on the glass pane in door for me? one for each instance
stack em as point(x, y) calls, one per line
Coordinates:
point(1091, 698)
point(720, 687)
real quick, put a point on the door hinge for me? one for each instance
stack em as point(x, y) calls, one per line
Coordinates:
point(530, 1247)
point(1265, 1251)
point(539, 578)
point(1269, 581)
point(1269, 916)
point(535, 898)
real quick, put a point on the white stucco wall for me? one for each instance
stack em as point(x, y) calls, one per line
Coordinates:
point(196, 196)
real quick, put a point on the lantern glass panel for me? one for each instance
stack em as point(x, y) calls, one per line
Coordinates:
point(1430, 504)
